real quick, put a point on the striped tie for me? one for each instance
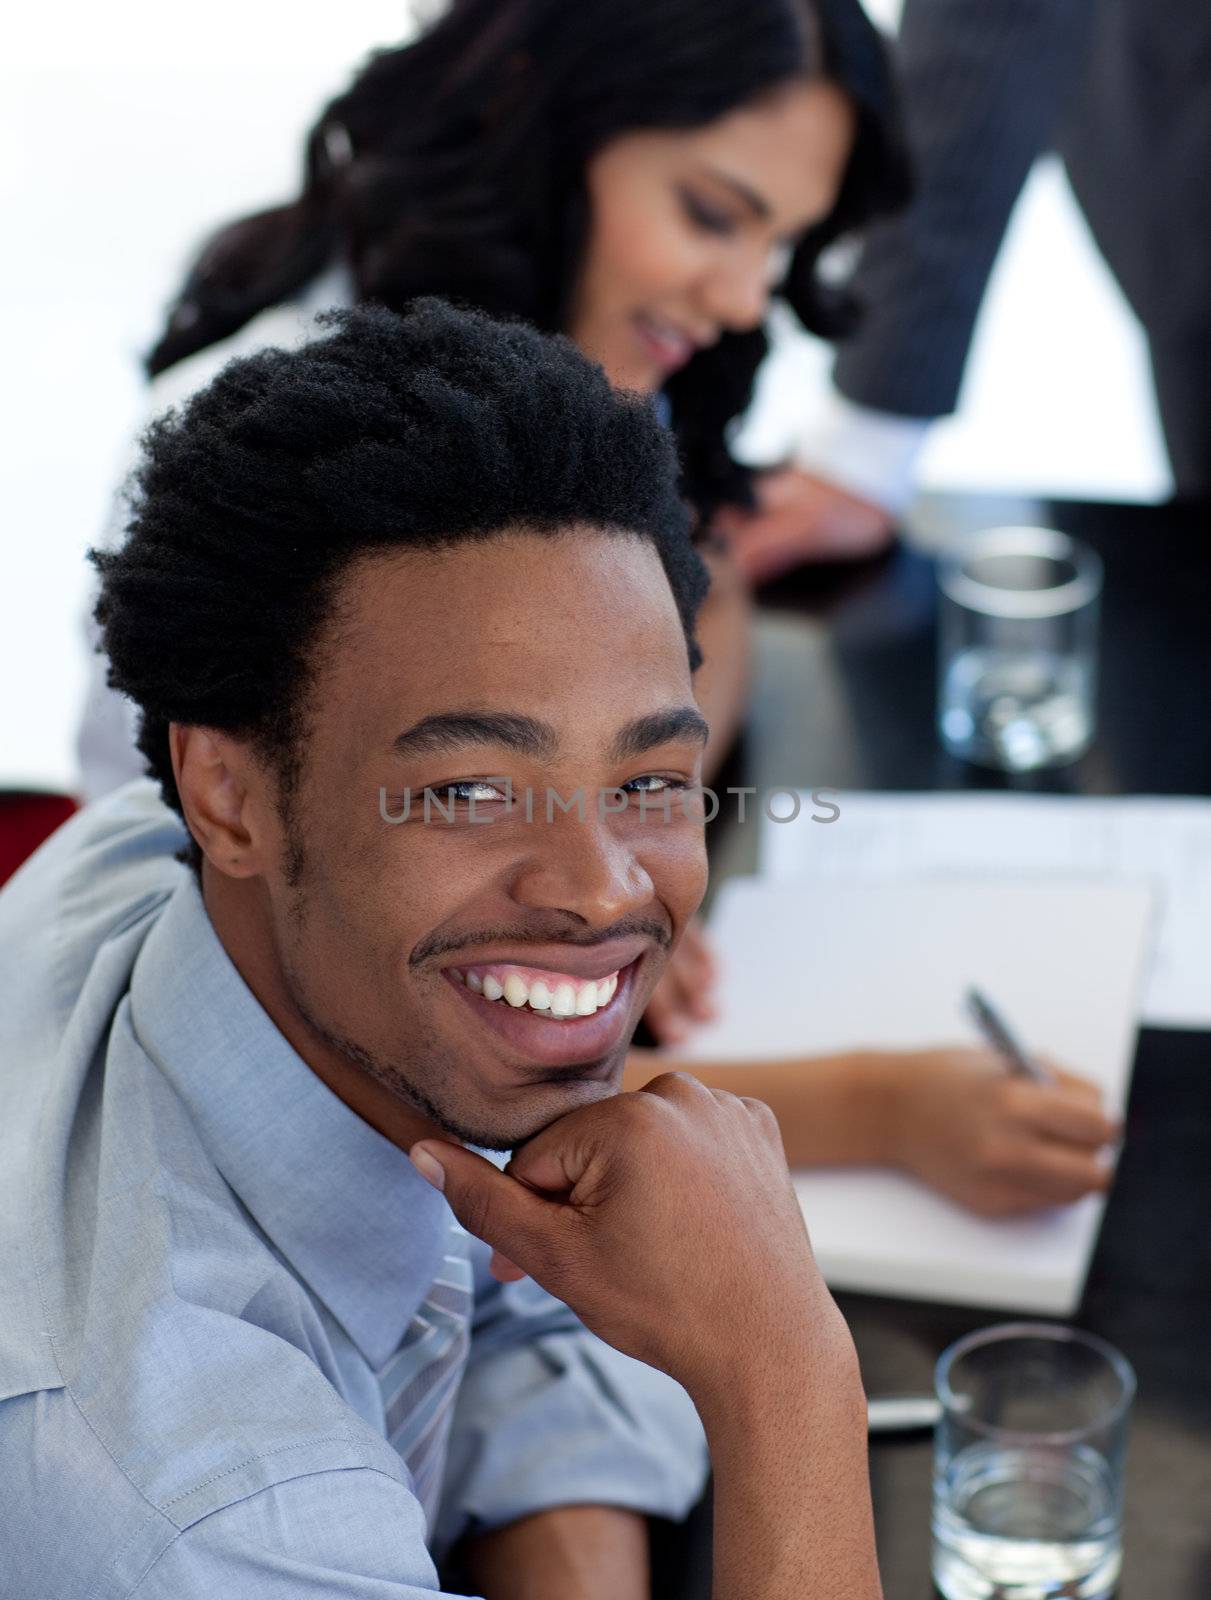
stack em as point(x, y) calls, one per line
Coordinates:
point(420, 1381)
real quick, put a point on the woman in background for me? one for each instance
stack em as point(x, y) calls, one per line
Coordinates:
point(640, 175)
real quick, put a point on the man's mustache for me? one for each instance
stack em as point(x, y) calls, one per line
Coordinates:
point(563, 932)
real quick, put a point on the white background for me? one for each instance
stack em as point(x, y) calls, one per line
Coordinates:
point(130, 128)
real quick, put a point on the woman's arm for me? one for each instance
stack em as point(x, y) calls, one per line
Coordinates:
point(832, 1110)
point(954, 1118)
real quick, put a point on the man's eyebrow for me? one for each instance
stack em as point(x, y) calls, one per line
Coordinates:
point(756, 203)
point(448, 731)
point(659, 727)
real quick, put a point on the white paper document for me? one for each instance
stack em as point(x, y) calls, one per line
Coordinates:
point(1165, 843)
point(812, 968)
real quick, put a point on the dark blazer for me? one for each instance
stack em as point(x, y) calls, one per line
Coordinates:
point(1122, 89)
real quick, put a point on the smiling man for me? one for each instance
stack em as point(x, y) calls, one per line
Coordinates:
point(245, 1347)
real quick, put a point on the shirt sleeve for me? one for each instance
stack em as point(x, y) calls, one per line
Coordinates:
point(873, 454)
point(550, 1415)
point(352, 1534)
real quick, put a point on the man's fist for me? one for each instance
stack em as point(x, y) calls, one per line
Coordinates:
point(665, 1218)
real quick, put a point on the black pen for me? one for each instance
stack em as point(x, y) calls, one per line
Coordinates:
point(996, 1032)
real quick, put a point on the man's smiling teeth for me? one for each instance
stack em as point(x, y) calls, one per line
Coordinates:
point(557, 996)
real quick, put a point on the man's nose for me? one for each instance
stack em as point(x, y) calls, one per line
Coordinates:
point(577, 864)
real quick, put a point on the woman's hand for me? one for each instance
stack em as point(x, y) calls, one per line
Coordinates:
point(999, 1144)
point(684, 997)
point(800, 517)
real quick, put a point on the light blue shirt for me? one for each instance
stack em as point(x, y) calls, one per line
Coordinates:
point(204, 1258)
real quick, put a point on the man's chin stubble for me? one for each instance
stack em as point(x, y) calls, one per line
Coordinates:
point(390, 1076)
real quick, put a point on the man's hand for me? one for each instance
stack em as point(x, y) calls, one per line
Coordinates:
point(800, 517)
point(1000, 1144)
point(685, 995)
point(666, 1220)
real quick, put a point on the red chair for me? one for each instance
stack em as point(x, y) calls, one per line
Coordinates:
point(25, 821)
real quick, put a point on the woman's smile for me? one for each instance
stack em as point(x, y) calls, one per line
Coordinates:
point(665, 343)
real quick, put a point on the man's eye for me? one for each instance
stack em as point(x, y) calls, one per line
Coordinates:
point(652, 783)
point(468, 789)
point(706, 216)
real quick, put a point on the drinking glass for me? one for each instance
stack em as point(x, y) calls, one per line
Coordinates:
point(1028, 1464)
point(1018, 648)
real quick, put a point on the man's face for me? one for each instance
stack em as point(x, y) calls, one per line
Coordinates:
point(555, 664)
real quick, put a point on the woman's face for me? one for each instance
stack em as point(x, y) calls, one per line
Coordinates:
point(689, 231)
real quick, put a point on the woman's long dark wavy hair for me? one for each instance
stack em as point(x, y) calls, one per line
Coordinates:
point(455, 165)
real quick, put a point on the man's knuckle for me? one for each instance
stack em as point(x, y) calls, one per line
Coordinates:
point(681, 1083)
point(760, 1112)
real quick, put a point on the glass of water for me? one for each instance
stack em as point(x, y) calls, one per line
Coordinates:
point(1018, 641)
point(1028, 1464)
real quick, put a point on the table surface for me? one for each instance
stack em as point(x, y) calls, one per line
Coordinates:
point(844, 697)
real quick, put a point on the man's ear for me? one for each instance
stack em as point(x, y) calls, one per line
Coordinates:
point(224, 798)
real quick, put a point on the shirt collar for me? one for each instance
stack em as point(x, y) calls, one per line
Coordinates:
point(344, 1205)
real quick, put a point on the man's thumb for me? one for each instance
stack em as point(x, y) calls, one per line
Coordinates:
point(489, 1204)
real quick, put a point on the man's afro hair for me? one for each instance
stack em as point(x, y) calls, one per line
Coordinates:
point(390, 431)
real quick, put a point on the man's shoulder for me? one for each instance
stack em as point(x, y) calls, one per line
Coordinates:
point(190, 1348)
point(186, 1372)
point(103, 871)
point(72, 922)
point(85, 1523)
